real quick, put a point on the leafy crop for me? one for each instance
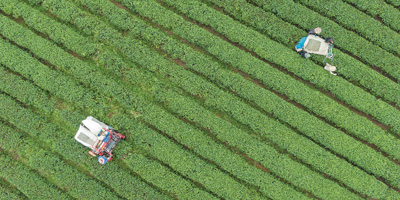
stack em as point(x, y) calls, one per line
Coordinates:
point(209, 108)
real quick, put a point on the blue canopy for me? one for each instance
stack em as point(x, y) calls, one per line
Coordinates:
point(300, 45)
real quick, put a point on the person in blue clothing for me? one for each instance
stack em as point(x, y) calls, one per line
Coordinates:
point(300, 46)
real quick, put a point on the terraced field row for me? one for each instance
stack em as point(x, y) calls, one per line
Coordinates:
point(10, 192)
point(267, 49)
point(208, 113)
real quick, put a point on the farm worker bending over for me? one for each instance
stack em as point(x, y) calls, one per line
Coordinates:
point(300, 46)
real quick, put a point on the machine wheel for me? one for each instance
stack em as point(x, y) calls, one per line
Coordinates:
point(92, 153)
point(102, 160)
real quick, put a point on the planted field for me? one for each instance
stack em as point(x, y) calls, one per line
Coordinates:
point(213, 98)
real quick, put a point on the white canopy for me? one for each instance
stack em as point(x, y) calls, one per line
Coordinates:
point(316, 45)
point(85, 137)
point(89, 130)
point(94, 125)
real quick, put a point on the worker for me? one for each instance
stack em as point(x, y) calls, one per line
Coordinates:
point(315, 31)
point(330, 41)
point(300, 46)
point(331, 69)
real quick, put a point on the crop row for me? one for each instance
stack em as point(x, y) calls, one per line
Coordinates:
point(180, 185)
point(344, 39)
point(238, 167)
point(98, 8)
point(120, 181)
point(27, 181)
point(194, 159)
point(353, 19)
point(155, 113)
point(327, 140)
point(64, 37)
point(191, 58)
point(267, 49)
point(379, 10)
point(360, 129)
point(395, 3)
point(216, 174)
point(9, 83)
point(335, 118)
point(22, 89)
point(102, 11)
point(205, 147)
point(124, 49)
point(183, 192)
point(242, 163)
point(349, 67)
point(49, 165)
point(233, 158)
point(8, 191)
point(347, 40)
point(116, 179)
point(328, 105)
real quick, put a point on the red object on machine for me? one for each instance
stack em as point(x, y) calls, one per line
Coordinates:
point(100, 137)
point(108, 139)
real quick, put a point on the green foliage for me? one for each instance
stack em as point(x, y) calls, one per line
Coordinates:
point(267, 49)
point(60, 33)
point(180, 186)
point(394, 2)
point(380, 10)
point(243, 163)
point(59, 142)
point(353, 19)
point(350, 68)
point(43, 75)
point(311, 129)
point(50, 165)
point(9, 192)
point(236, 188)
point(27, 181)
point(98, 10)
point(348, 40)
point(116, 83)
point(173, 72)
point(25, 91)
